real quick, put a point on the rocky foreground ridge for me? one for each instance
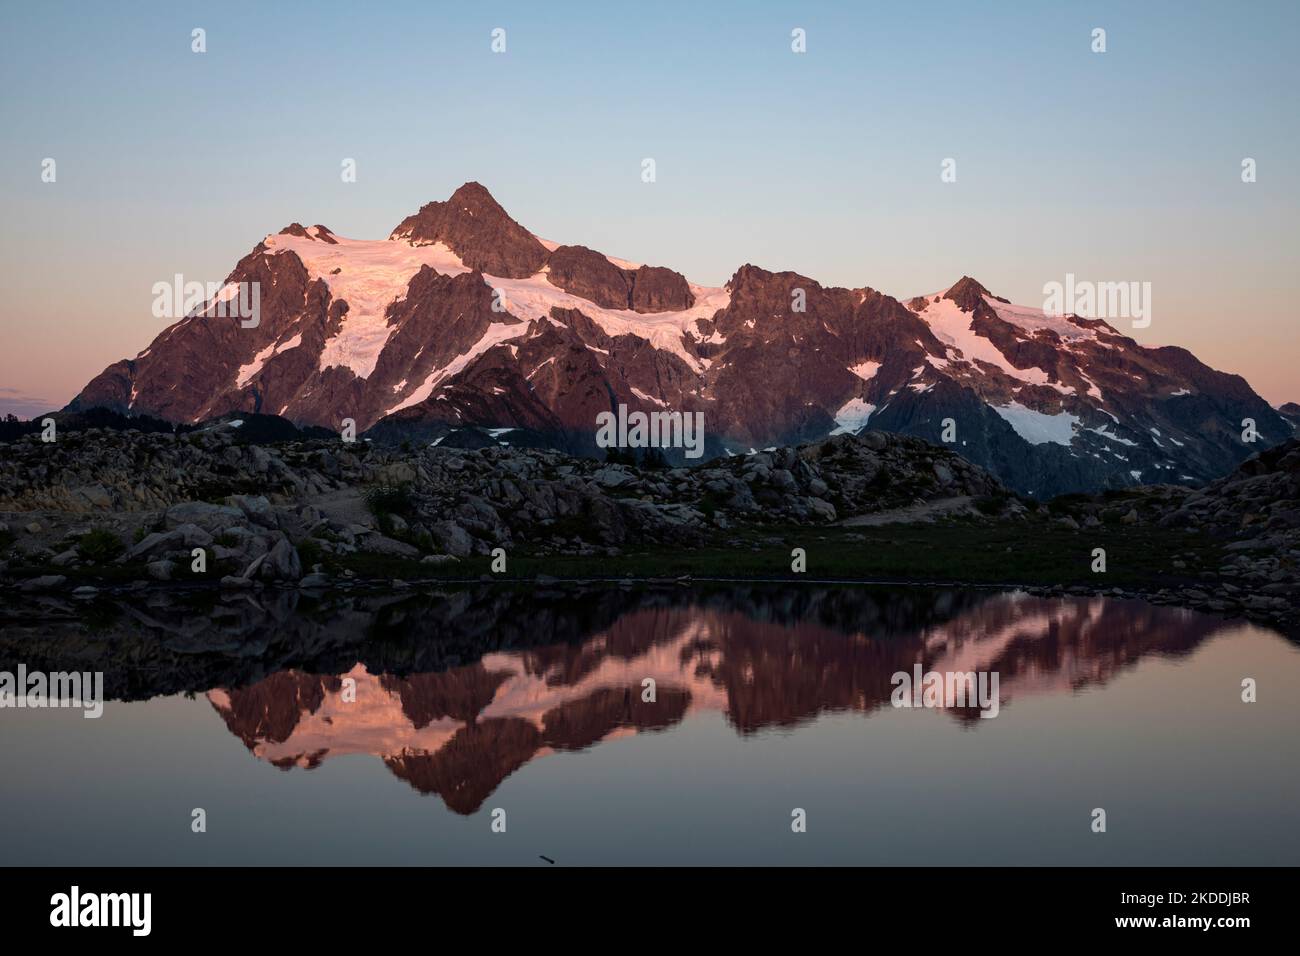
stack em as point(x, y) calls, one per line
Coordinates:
point(136, 506)
point(195, 489)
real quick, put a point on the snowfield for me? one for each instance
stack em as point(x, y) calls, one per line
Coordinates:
point(375, 273)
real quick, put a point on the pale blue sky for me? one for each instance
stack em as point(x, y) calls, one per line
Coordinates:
point(1116, 166)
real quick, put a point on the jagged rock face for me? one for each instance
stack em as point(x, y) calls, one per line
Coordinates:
point(779, 375)
point(463, 317)
point(656, 289)
point(194, 369)
point(1261, 499)
point(1096, 409)
point(316, 232)
point(967, 294)
point(589, 275)
point(440, 319)
point(592, 276)
point(475, 227)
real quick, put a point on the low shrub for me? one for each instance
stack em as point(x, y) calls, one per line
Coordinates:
point(100, 545)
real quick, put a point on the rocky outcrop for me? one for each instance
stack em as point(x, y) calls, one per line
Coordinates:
point(1255, 511)
point(590, 275)
point(967, 293)
point(1260, 498)
point(255, 507)
point(475, 227)
point(656, 289)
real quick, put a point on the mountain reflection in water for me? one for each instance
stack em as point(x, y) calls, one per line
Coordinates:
point(456, 690)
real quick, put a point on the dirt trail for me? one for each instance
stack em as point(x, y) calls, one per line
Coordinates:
point(346, 505)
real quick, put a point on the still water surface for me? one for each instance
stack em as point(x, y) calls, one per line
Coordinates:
point(768, 698)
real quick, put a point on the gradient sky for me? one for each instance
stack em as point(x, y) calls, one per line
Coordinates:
point(1116, 166)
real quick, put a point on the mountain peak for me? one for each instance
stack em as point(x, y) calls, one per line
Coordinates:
point(474, 191)
point(315, 233)
point(475, 226)
point(967, 293)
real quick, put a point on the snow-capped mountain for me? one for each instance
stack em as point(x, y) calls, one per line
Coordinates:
point(464, 317)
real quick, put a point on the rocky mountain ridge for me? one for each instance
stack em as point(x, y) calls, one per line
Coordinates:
point(464, 317)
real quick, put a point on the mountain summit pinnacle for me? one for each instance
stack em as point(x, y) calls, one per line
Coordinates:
point(967, 293)
point(475, 227)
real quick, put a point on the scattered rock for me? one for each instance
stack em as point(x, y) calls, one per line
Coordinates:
point(162, 570)
point(46, 582)
point(377, 543)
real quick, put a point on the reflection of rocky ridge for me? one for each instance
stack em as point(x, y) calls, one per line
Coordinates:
point(271, 708)
point(159, 646)
point(459, 733)
point(457, 689)
point(478, 756)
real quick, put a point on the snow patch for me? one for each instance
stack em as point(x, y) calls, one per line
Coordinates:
point(865, 370)
point(1101, 430)
point(952, 326)
point(648, 398)
point(533, 299)
point(246, 372)
point(540, 367)
point(1039, 428)
point(1034, 320)
point(852, 417)
point(1093, 390)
